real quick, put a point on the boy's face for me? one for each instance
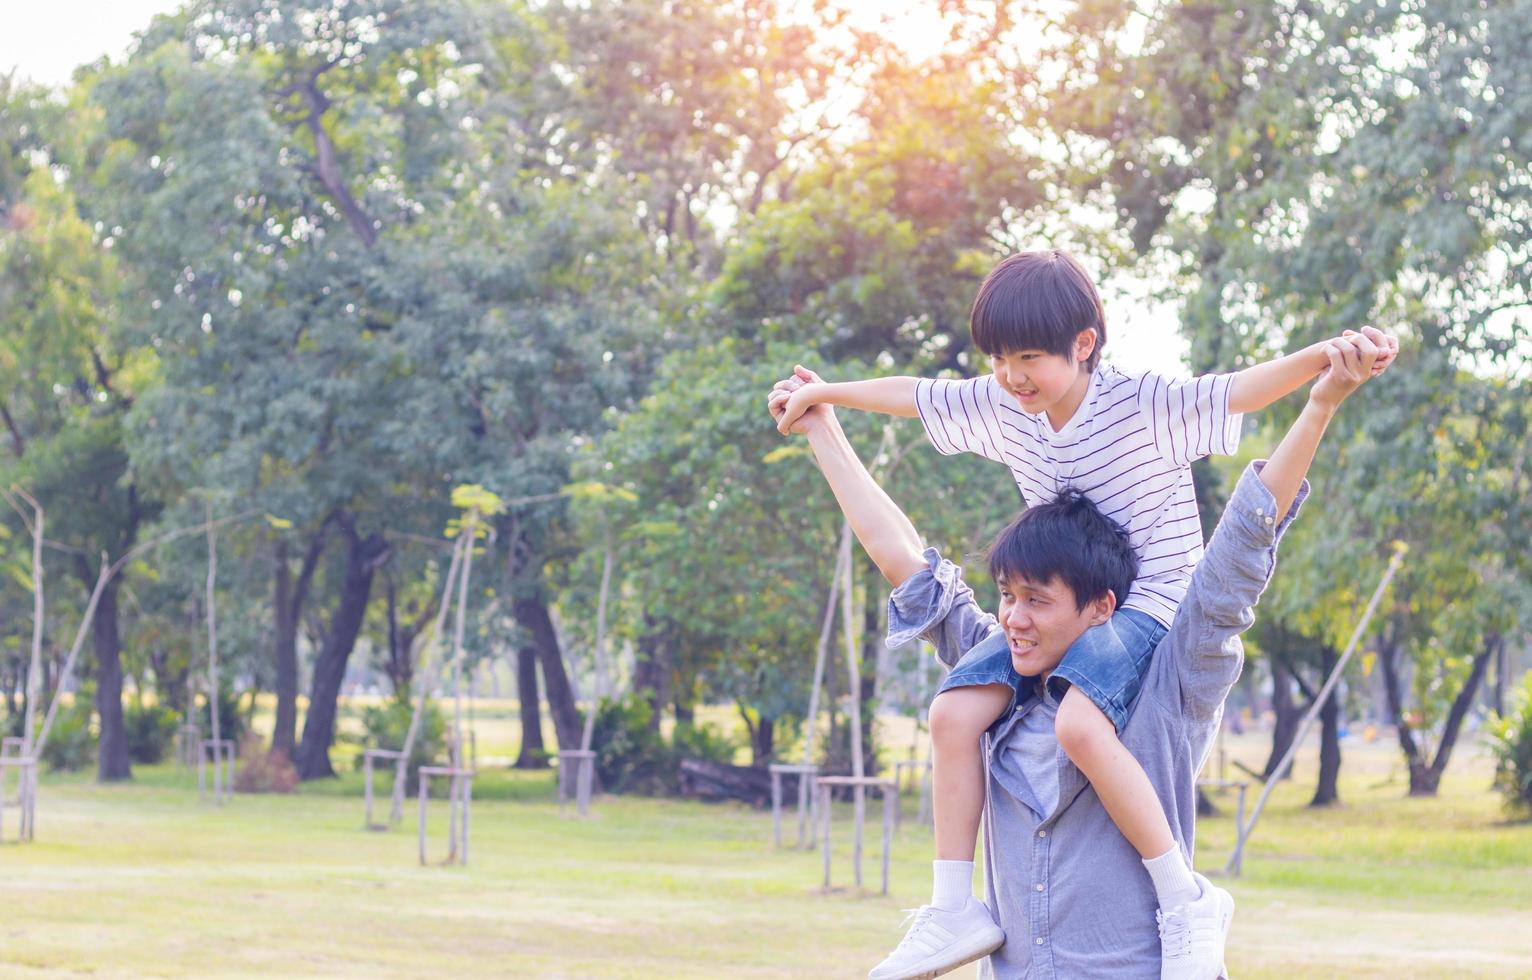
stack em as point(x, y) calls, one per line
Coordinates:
point(1042, 382)
point(1041, 620)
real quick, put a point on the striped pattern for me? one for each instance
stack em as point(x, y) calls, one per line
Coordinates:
point(1129, 448)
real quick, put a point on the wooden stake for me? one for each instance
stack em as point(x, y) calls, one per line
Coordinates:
point(1236, 860)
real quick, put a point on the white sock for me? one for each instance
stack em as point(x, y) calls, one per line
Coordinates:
point(1172, 877)
point(951, 884)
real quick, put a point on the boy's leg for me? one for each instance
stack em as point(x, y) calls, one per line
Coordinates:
point(1090, 740)
point(959, 718)
point(955, 928)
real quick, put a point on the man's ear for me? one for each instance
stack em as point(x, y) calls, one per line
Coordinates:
point(1085, 343)
point(1102, 607)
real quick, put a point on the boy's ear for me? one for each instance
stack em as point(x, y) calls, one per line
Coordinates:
point(1085, 343)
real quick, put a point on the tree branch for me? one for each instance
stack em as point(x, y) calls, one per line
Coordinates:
point(326, 161)
point(18, 443)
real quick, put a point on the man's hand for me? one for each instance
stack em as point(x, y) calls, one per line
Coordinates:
point(780, 402)
point(1353, 359)
point(1386, 343)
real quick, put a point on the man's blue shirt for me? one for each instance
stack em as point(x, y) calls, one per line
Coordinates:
point(1066, 886)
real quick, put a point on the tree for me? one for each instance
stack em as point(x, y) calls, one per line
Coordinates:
point(1315, 168)
point(69, 377)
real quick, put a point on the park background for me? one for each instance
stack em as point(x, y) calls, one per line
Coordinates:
point(307, 268)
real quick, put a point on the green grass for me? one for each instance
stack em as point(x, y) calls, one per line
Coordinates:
point(143, 880)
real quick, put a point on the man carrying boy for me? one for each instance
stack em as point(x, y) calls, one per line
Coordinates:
point(1126, 442)
point(1061, 878)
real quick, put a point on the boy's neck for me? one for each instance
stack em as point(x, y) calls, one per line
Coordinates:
point(1065, 408)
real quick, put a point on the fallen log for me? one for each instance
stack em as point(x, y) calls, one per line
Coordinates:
point(703, 780)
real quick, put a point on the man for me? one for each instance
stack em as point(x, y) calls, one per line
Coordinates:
point(1066, 887)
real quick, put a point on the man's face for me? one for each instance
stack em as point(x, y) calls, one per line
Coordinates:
point(1041, 620)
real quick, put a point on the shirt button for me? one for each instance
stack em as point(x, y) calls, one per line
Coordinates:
point(1259, 512)
point(1039, 886)
point(1268, 520)
point(1042, 833)
point(1039, 940)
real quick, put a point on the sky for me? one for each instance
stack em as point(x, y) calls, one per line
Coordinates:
point(45, 41)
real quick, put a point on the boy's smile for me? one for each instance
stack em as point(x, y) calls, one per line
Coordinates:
point(1043, 382)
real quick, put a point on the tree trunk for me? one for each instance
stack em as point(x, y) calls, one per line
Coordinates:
point(651, 672)
point(1326, 793)
point(169, 685)
point(1425, 780)
point(288, 600)
point(1287, 713)
point(397, 667)
point(364, 557)
point(1388, 658)
point(15, 682)
point(533, 616)
point(763, 744)
point(1497, 692)
point(284, 655)
point(112, 763)
point(533, 754)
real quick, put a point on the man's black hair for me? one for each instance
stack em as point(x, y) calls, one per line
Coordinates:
point(1037, 301)
point(1070, 538)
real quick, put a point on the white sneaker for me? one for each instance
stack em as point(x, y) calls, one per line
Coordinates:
point(1192, 934)
point(940, 941)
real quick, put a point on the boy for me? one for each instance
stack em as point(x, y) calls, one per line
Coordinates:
point(1125, 441)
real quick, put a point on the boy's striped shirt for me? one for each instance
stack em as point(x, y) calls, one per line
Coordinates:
point(1129, 448)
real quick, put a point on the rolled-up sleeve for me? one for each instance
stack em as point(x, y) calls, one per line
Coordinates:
point(1203, 642)
point(937, 606)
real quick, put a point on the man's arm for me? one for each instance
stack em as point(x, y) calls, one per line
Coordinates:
point(888, 396)
point(883, 529)
point(1203, 648)
point(1256, 387)
point(1349, 363)
point(930, 599)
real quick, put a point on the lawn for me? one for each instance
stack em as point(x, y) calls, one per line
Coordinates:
point(142, 879)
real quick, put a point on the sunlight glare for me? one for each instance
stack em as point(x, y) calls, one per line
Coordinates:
point(915, 26)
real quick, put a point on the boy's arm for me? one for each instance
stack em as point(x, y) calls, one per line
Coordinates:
point(883, 529)
point(889, 396)
point(1203, 642)
point(1256, 387)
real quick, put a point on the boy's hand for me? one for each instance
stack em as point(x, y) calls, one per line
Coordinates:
point(1353, 359)
point(1387, 345)
point(780, 391)
point(791, 397)
point(780, 400)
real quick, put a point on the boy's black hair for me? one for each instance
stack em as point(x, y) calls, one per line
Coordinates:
point(1037, 301)
point(1070, 538)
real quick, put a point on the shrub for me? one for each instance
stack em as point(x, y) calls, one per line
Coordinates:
point(72, 741)
point(703, 742)
point(260, 771)
point(1511, 741)
point(231, 724)
point(631, 757)
point(385, 726)
point(151, 731)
